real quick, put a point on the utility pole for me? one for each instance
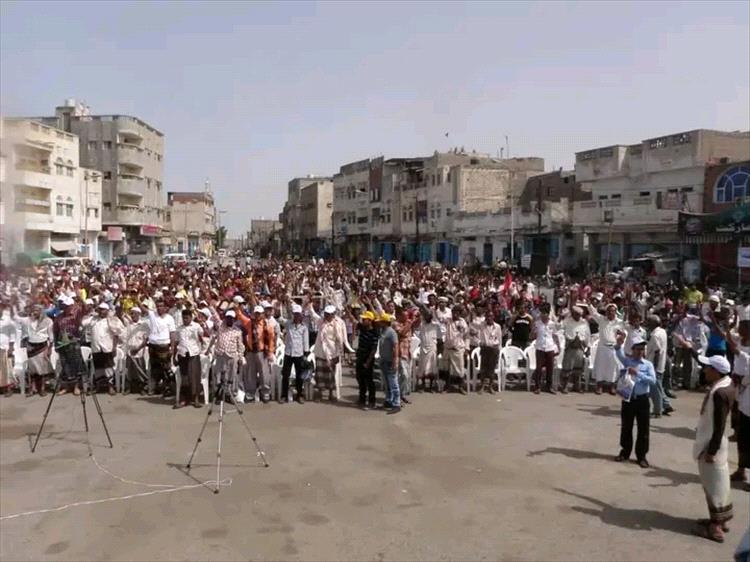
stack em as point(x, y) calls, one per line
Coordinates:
point(333, 237)
point(416, 216)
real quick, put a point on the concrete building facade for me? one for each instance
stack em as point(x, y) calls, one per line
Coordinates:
point(130, 154)
point(638, 190)
point(264, 237)
point(291, 215)
point(50, 203)
point(316, 213)
point(192, 222)
point(351, 211)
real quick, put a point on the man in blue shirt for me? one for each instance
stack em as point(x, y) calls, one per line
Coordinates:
point(643, 376)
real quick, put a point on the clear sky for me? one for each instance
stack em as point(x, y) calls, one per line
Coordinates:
point(253, 94)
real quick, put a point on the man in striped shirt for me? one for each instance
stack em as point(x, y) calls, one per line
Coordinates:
point(366, 348)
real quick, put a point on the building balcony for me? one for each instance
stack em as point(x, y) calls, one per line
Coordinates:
point(131, 186)
point(131, 156)
point(135, 215)
point(35, 178)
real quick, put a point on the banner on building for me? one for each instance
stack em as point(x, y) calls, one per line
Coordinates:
point(731, 221)
point(150, 230)
point(743, 256)
point(114, 233)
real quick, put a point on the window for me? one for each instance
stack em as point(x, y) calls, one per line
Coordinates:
point(107, 175)
point(106, 206)
point(603, 197)
point(59, 169)
point(686, 190)
point(59, 209)
point(448, 212)
point(554, 248)
point(94, 213)
point(432, 213)
point(617, 196)
point(449, 176)
point(658, 143)
point(158, 185)
point(404, 217)
point(69, 172)
point(92, 145)
point(69, 210)
point(682, 138)
point(107, 145)
point(644, 194)
point(732, 185)
point(361, 220)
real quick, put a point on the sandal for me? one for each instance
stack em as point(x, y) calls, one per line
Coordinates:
point(704, 531)
point(724, 525)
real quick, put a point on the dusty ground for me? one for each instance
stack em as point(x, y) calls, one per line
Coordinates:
point(451, 477)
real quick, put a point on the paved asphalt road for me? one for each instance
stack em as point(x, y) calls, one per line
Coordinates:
point(514, 476)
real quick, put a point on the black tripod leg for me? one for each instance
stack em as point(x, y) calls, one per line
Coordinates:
point(240, 413)
point(205, 423)
point(44, 419)
point(218, 450)
point(83, 405)
point(101, 417)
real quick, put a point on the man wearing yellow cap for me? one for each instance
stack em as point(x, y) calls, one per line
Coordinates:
point(365, 359)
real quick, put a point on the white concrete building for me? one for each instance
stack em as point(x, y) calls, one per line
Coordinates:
point(316, 212)
point(351, 210)
point(50, 203)
point(192, 220)
point(638, 190)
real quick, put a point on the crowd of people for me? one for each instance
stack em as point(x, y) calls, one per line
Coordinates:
point(410, 328)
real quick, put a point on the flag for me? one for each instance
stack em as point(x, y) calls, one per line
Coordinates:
point(446, 134)
point(507, 283)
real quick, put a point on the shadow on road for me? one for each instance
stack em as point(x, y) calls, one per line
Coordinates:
point(601, 411)
point(572, 453)
point(682, 432)
point(633, 519)
point(675, 477)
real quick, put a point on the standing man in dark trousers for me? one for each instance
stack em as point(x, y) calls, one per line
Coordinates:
point(366, 347)
point(637, 408)
point(296, 347)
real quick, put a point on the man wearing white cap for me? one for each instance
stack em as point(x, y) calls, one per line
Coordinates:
point(711, 447)
point(135, 339)
point(37, 331)
point(577, 341)
point(606, 367)
point(329, 347)
point(639, 375)
point(105, 332)
point(296, 348)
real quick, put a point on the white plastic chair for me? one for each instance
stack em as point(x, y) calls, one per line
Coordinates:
point(86, 355)
point(589, 375)
point(474, 367)
point(120, 369)
point(510, 364)
point(206, 361)
point(20, 363)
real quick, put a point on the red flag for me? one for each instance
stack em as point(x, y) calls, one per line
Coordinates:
point(507, 283)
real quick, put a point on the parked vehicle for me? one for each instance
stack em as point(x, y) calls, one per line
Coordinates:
point(175, 258)
point(66, 262)
point(654, 266)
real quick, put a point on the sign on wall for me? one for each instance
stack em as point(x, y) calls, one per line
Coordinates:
point(743, 256)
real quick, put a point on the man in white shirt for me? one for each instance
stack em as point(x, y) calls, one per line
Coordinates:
point(7, 342)
point(656, 352)
point(547, 348)
point(456, 346)
point(606, 365)
point(187, 354)
point(39, 336)
point(105, 332)
point(135, 340)
point(490, 336)
point(161, 338)
point(577, 341)
point(741, 375)
point(329, 348)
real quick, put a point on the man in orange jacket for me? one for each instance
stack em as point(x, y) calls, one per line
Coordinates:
point(260, 345)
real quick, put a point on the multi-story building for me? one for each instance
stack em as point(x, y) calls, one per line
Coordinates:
point(50, 203)
point(316, 212)
point(726, 200)
point(192, 222)
point(426, 194)
point(130, 154)
point(351, 211)
point(638, 190)
point(290, 217)
point(264, 237)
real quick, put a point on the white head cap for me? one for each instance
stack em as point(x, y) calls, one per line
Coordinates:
point(103, 306)
point(258, 308)
point(718, 362)
point(238, 299)
point(330, 309)
point(136, 309)
point(230, 313)
point(296, 309)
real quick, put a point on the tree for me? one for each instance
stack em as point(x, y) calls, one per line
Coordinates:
point(220, 237)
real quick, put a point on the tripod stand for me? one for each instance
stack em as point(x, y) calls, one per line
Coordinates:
point(221, 393)
point(83, 387)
